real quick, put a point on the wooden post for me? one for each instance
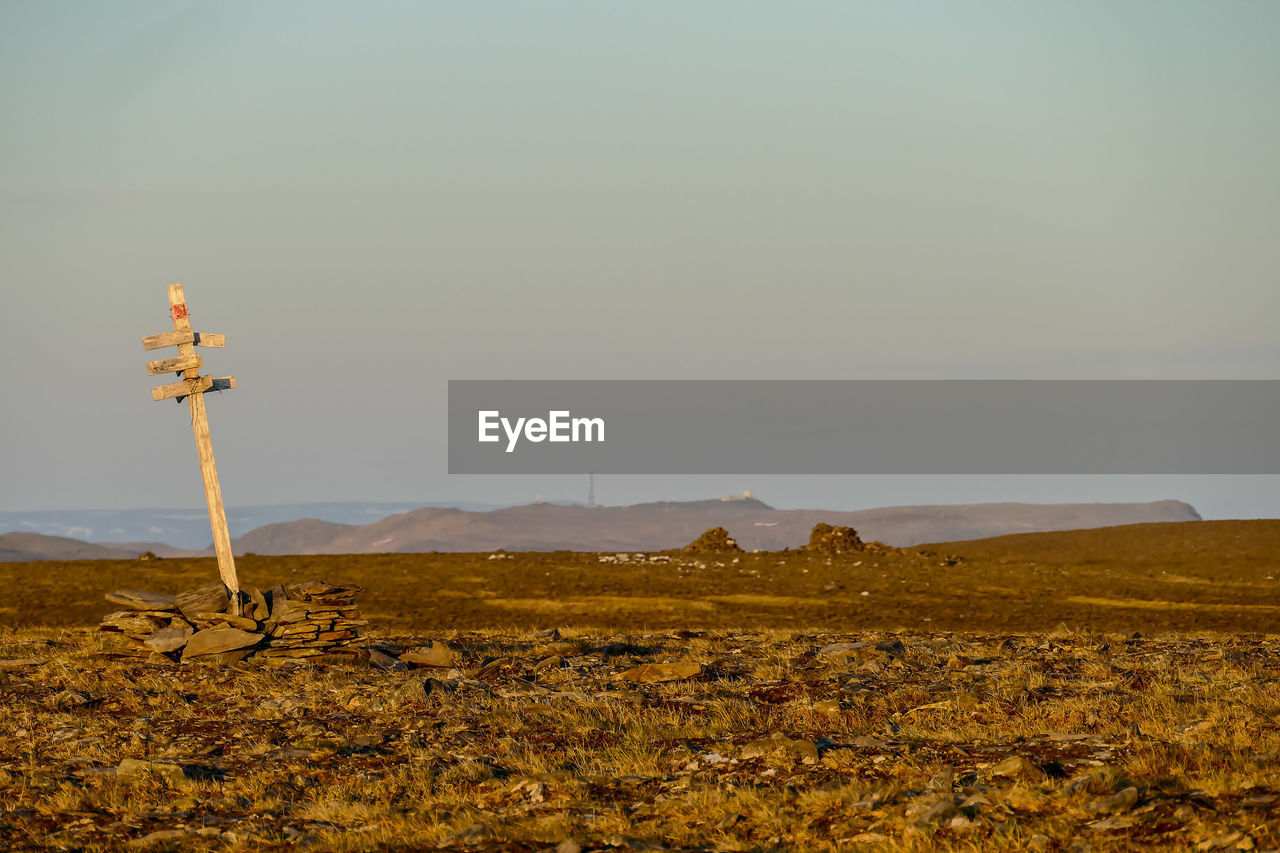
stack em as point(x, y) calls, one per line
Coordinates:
point(193, 386)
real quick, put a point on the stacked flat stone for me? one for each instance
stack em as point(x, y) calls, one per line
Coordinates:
point(311, 619)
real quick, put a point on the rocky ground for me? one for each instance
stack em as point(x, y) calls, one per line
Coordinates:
point(715, 739)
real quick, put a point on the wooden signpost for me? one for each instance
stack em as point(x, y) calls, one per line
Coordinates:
point(193, 387)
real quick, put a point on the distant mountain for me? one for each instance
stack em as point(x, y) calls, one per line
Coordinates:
point(642, 527)
point(656, 526)
point(189, 528)
point(23, 547)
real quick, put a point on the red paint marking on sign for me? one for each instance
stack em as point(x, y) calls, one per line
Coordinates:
point(179, 311)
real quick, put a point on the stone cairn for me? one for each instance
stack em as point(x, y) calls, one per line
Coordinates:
point(835, 539)
point(715, 540)
point(312, 620)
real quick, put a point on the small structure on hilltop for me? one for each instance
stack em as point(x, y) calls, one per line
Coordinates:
point(715, 540)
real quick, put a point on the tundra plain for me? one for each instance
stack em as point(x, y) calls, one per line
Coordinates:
point(1110, 689)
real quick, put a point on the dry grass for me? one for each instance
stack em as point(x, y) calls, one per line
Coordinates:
point(896, 740)
point(498, 755)
point(1194, 576)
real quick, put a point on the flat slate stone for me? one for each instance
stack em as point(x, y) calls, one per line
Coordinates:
point(141, 599)
point(206, 599)
point(653, 673)
point(437, 654)
point(254, 603)
point(214, 641)
point(133, 768)
point(218, 620)
point(169, 639)
point(130, 622)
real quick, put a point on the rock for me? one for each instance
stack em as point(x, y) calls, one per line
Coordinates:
point(214, 640)
point(568, 846)
point(134, 768)
point(215, 620)
point(437, 654)
point(253, 604)
point(715, 540)
point(223, 658)
point(418, 689)
point(833, 539)
point(803, 750)
point(943, 780)
point(65, 699)
point(842, 651)
point(382, 660)
point(1103, 779)
point(131, 622)
point(148, 555)
point(206, 599)
point(928, 810)
point(1121, 801)
point(169, 639)
point(140, 599)
point(22, 663)
point(168, 837)
point(549, 664)
point(654, 673)
point(470, 835)
point(1020, 768)
point(275, 597)
point(413, 690)
point(893, 647)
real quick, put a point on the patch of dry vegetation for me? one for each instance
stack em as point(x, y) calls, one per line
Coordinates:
point(730, 740)
point(1222, 576)
point(678, 705)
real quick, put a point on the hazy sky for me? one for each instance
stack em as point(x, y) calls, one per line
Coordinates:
point(372, 198)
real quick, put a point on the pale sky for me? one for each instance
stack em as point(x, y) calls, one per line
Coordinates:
point(372, 198)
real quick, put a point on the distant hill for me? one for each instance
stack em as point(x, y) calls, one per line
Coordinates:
point(656, 526)
point(27, 547)
point(642, 527)
point(188, 527)
point(23, 547)
point(1207, 547)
